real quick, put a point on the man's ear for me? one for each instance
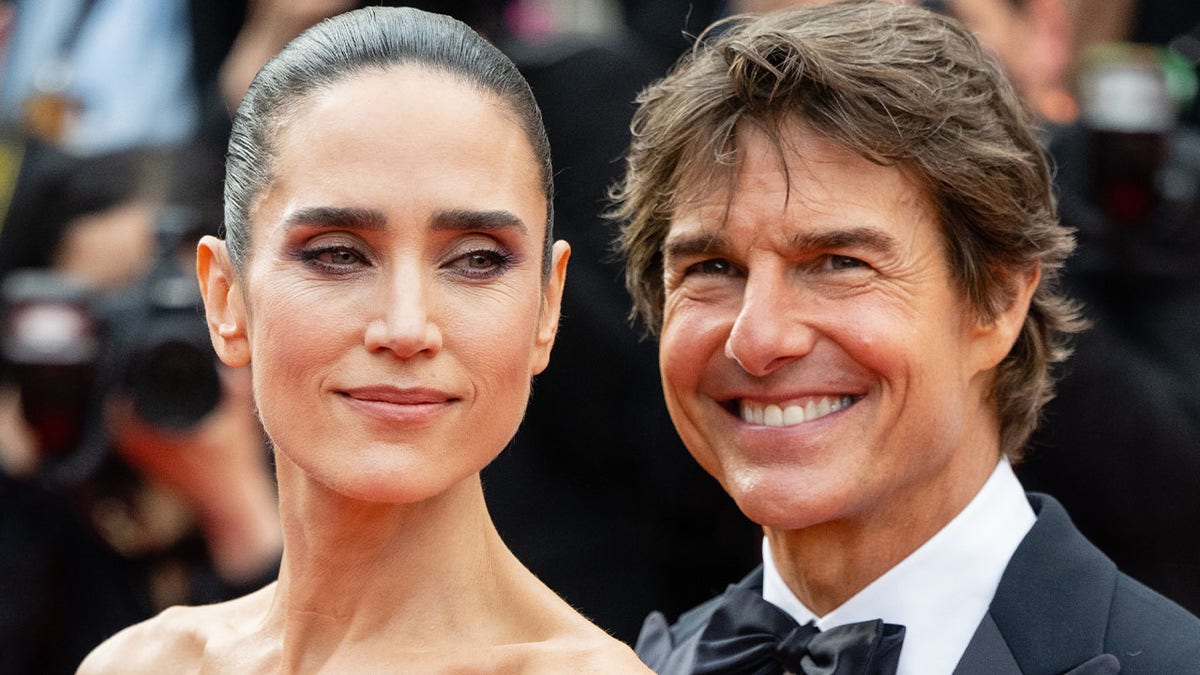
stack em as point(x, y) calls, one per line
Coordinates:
point(551, 306)
point(994, 337)
point(223, 304)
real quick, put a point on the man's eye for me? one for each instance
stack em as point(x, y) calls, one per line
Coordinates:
point(844, 262)
point(712, 266)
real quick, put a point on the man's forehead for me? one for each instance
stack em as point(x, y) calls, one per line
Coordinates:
point(866, 192)
point(764, 155)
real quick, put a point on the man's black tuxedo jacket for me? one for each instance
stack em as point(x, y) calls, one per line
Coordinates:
point(1062, 607)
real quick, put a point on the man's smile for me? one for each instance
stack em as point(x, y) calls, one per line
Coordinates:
point(789, 413)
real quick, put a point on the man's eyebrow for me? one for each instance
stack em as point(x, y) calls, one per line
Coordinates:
point(467, 219)
point(715, 243)
point(338, 217)
point(690, 245)
point(868, 238)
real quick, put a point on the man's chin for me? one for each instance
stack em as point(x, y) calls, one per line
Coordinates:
point(786, 507)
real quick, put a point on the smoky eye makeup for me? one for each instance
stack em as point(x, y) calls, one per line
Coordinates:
point(485, 263)
point(332, 258)
point(481, 260)
point(331, 254)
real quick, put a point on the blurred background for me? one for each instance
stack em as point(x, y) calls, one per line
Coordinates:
point(133, 474)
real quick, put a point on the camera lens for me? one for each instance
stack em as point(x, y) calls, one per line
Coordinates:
point(174, 384)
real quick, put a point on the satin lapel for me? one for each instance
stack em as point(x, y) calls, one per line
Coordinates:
point(1054, 599)
point(1105, 664)
point(987, 653)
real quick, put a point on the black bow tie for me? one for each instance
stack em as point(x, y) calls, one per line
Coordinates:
point(749, 636)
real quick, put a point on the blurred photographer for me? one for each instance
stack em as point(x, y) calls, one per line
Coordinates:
point(134, 474)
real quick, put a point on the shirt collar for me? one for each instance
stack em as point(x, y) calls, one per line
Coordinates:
point(941, 591)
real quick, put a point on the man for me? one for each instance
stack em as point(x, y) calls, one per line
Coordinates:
point(841, 227)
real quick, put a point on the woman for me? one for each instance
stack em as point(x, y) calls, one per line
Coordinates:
point(388, 275)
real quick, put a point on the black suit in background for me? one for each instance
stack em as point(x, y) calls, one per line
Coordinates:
point(1061, 605)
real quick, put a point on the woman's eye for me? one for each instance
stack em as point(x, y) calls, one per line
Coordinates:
point(482, 263)
point(712, 266)
point(340, 256)
point(333, 257)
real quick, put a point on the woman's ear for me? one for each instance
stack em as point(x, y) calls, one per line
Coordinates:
point(993, 338)
point(223, 304)
point(551, 306)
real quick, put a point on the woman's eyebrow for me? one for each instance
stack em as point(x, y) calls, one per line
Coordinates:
point(351, 218)
point(467, 219)
point(342, 217)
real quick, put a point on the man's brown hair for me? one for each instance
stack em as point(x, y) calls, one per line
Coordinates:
point(900, 86)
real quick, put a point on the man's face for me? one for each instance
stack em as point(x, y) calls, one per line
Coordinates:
point(817, 358)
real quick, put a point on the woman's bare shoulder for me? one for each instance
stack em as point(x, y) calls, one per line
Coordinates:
point(576, 645)
point(175, 641)
point(569, 642)
point(582, 655)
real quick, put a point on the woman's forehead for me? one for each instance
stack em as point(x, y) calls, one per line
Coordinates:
point(402, 109)
point(404, 139)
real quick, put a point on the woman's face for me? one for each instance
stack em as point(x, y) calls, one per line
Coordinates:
point(392, 306)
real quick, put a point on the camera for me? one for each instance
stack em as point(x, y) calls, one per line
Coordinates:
point(67, 349)
point(1128, 113)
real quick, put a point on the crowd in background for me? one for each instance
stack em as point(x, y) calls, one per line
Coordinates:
point(115, 503)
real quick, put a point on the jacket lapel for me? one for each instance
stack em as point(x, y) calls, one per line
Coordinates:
point(1105, 664)
point(1052, 606)
point(987, 652)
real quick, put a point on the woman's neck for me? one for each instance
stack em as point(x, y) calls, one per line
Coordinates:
point(428, 575)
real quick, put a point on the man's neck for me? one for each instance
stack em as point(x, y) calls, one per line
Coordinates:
point(941, 591)
point(826, 564)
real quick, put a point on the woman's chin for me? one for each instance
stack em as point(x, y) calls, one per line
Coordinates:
point(407, 487)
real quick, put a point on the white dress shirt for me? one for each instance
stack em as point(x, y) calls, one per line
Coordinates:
point(941, 591)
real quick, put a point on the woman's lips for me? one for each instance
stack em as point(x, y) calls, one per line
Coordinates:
point(398, 403)
point(399, 395)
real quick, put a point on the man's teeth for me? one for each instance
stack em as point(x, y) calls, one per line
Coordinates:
point(772, 415)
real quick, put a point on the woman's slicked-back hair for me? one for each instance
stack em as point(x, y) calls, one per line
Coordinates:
point(365, 40)
point(900, 86)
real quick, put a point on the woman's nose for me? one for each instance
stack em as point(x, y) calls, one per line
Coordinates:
point(770, 329)
point(404, 322)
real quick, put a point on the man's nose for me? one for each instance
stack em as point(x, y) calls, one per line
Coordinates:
point(404, 317)
point(770, 329)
